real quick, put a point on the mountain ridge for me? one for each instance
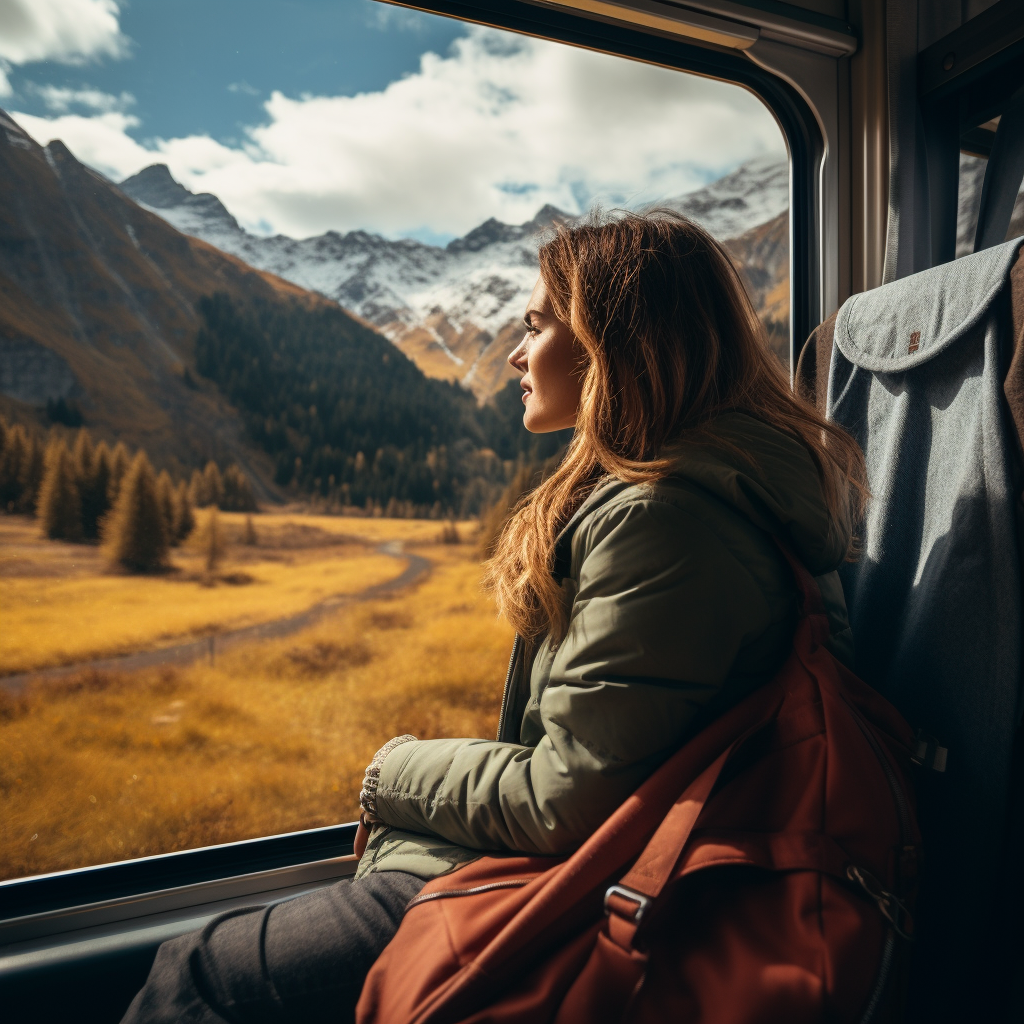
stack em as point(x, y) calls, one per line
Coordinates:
point(455, 310)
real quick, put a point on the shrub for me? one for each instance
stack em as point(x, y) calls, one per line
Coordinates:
point(136, 530)
point(60, 508)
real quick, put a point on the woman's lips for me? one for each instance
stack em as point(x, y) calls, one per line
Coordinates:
point(527, 391)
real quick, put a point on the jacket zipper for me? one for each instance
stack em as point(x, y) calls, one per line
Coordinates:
point(903, 817)
point(508, 883)
point(517, 643)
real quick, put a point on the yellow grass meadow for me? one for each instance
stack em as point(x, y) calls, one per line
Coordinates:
point(58, 606)
point(274, 737)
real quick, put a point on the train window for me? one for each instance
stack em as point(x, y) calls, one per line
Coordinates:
point(260, 280)
point(977, 145)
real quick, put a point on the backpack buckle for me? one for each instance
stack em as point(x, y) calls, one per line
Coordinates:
point(642, 903)
point(927, 752)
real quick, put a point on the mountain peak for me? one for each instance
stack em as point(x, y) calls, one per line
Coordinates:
point(16, 135)
point(155, 188)
point(494, 231)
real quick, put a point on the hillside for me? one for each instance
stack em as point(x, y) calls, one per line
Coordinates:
point(98, 307)
point(349, 419)
point(455, 311)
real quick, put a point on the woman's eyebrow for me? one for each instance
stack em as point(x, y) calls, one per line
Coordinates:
point(530, 313)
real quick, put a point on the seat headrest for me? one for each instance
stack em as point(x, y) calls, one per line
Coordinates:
point(906, 323)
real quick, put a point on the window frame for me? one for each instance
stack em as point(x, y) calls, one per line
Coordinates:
point(89, 899)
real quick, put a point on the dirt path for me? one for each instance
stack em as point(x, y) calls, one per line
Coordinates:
point(416, 570)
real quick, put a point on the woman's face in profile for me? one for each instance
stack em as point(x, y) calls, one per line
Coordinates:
point(549, 360)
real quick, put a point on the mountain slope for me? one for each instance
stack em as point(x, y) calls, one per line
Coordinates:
point(98, 304)
point(349, 419)
point(169, 344)
point(456, 310)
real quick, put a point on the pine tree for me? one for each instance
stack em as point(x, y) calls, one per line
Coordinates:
point(213, 485)
point(250, 537)
point(82, 455)
point(30, 476)
point(119, 463)
point(166, 496)
point(211, 540)
point(135, 532)
point(184, 518)
point(238, 496)
point(86, 458)
point(95, 493)
point(60, 508)
point(14, 451)
point(197, 490)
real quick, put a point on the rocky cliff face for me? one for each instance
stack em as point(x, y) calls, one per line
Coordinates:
point(456, 310)
point(97, 303)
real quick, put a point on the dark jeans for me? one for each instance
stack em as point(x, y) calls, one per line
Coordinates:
point(302, 960)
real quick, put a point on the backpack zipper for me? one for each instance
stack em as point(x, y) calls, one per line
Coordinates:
point(508, 883)
point(903, 817)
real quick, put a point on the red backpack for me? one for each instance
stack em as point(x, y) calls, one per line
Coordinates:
point(763, 874)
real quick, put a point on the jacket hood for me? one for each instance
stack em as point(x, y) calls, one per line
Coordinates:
point(771, 479)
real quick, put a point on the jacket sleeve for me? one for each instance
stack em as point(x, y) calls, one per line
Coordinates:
point(662, 609)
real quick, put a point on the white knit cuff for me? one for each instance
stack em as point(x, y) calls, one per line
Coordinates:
point(368, 794)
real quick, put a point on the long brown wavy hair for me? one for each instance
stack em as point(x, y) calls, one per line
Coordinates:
point(668, 340)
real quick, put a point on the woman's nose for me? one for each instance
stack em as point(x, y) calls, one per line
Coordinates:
point(517, 357)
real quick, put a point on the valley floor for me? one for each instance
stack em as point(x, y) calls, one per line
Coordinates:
point(59, 605)
point(274, 737)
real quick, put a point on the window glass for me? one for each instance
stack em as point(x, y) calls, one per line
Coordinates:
point(259, 282)
point(973, 164)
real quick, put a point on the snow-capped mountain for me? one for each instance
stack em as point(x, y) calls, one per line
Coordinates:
point(453, 310)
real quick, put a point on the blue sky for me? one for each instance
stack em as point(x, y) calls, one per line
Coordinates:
point(206, 66)
point(309, 115)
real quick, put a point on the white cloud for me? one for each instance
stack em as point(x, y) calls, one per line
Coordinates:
point(61, 100)
point(497, 128)
point(102, 141)
point(384, 17)
point(69, 31)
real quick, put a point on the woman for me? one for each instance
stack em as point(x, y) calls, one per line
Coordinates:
point(643, 581)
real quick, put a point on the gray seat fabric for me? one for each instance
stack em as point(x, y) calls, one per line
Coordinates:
point(935, 599)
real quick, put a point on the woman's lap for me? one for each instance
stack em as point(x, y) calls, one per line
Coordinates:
point(301, 960)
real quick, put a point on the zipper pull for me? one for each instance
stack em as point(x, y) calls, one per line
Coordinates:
point(893, 909)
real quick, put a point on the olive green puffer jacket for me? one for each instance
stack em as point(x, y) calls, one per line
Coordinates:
point(681, 605)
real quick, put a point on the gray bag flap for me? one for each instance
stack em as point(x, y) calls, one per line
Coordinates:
point(906, 323)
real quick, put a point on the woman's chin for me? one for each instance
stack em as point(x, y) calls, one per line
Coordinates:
point(534, 423)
